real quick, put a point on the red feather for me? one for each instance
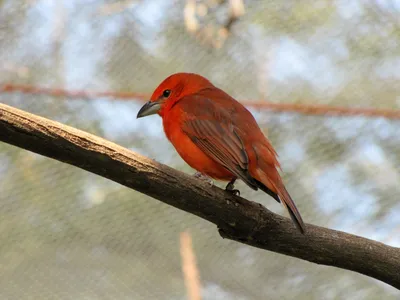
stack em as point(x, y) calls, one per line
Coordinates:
point(219, 137)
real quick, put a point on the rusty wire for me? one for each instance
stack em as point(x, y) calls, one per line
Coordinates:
point(299, 108)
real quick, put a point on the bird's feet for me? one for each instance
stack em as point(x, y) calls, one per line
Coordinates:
point(230, 187)
point(204, 178)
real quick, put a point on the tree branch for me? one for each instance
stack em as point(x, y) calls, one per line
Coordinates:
point(237, 218)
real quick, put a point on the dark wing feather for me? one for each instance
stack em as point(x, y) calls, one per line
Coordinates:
point(211, 130)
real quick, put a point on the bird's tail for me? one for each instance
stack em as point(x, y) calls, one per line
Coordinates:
point(265, 171)
point(272, 184)
point(291, 208)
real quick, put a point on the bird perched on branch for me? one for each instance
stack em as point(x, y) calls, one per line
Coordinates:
point(218, 136)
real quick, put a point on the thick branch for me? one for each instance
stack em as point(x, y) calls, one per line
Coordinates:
point(237, 219)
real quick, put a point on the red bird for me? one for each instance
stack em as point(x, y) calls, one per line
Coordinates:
point(218, 136)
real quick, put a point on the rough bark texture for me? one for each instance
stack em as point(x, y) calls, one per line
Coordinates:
point(237, 218)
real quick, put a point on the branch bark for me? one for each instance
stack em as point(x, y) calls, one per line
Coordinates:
point(237, 218)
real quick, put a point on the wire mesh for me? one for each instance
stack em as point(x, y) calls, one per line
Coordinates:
point(68, 234)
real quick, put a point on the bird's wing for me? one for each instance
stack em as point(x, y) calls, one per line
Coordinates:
point(209, 126)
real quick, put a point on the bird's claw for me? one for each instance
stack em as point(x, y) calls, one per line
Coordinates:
point(234, 192)
point(198, 175)
point(231, 189)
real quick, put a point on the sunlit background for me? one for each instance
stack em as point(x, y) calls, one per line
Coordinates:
point(68, 234)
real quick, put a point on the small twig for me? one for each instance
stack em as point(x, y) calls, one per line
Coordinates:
point(189, 267)
point(116, 7)
point(189, 15)
point(209, 33)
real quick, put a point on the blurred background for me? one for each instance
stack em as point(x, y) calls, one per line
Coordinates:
point(68, 234)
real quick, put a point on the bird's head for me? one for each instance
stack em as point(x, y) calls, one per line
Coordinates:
point(171, 90)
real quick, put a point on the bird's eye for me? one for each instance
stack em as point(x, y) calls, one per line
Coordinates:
point(166, 93)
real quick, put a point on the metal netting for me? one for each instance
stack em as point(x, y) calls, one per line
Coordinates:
point(69, 234)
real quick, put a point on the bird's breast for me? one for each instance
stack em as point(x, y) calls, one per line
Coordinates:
point(189, 152)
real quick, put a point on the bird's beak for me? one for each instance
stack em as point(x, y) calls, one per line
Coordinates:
point(150, 108)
